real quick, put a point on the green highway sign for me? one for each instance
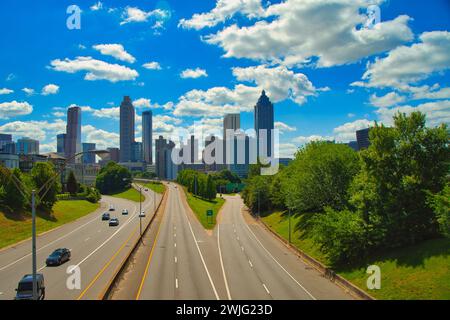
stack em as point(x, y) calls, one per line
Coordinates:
point(209, 213)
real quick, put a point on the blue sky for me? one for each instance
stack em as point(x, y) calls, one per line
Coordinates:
point(327, 74)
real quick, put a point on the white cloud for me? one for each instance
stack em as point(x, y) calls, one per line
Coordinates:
point(147, 103)
point(347, 132)
point(426, 92)
point(58, 114)
point(97, 6)
point(297, 31)
point(96, 69)
point(43, 131)
point(193, 73)
point(14, 109)
point(302, 140)
point(28, 91)
point(115, 50)
point(409, 65)
point(279, 82)
point(351, 115)
point(133, 14)
point(6, 91)
point(388, 100)
point(50, 89)
point(152, 65)
point(436, 112)
point(283, 127)
point(142, 103)
point(224, 10)
point(287, 150)
point(103, 139)
point(109, 113)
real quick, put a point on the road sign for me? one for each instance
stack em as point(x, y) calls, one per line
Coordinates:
point(209, 213)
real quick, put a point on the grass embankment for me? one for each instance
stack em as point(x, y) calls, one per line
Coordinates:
point(200, 206)
point(131, 194)
point(417, 272)
point(17, 226)
point(156, 187)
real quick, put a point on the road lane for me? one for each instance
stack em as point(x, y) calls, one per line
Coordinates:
point(91, 241)
point(277, 272)
point(176, 270)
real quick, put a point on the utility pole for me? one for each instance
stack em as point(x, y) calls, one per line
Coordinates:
point(259, 204)
point(33, 243)
point(289, 226)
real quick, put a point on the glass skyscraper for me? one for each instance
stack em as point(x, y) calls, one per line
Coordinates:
point(127, 120)
point(147, 139)
point(264, 120)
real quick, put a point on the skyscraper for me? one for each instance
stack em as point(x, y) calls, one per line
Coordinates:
point(138, 154)
point(73, 134)
point(264, 120)
point(231, 121)
point(147, 133)
point(114, 154)
point(27, 146)
point(165, 167)
point(7, 145)
point(61, 143)
point(126, 130)
point(88, 158)
point(362, 137)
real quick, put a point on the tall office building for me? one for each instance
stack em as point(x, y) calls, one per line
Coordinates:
point(147, 133)
point(61, 144)
point(231, 121)
point(27, 146)
point(362, 137)
point(166, 169)
point(73, 134)
point(7, 146)
point(126, 130)
point(264, 120)
point(88, 158)
point(138, 154)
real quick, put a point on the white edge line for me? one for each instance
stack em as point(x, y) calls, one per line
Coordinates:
point(221, 263)
point(298, 283)
point(204, 264)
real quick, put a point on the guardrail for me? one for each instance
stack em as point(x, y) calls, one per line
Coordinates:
point(105, 294)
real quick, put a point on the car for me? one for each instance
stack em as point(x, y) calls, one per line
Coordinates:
point(105, 216)
point(114, 222)
point(125, 212)
point(58, 257)
point(142, 214)
point(111, 208)
point(24, 290)
point(146, 190)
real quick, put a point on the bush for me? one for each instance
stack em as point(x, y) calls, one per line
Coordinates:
point(113, 178)
point(93, 195)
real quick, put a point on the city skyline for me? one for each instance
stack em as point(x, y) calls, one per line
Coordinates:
point(327, 95)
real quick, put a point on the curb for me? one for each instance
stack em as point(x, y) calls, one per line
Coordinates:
point(323, 269)
point(107, 291)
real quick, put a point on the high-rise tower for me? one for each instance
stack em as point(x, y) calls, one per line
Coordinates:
point(126, 130)
point(147, 133)
point(264, 120)
point(73, 134)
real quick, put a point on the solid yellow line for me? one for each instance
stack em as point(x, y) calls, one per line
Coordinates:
point(149, 260)
point(106, 266)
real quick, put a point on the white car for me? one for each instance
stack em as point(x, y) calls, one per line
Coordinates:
point(142, 214)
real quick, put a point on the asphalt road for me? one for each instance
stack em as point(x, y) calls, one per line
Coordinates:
point(96, 248)
point(239, 259)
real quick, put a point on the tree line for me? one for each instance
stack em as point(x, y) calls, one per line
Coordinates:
point(197, 183)
point(393, 194)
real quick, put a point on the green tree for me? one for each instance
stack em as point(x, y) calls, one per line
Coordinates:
point(72, 184)
point(440, 203)
point(13, 198)
point(319, 177)
point(113, 178)
point(210, 188)
point(41, 173)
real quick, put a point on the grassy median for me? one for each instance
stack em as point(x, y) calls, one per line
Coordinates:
point(417, 272)
point(131, 194)
point(17, 226)
point(200, 206)
point(157, 187)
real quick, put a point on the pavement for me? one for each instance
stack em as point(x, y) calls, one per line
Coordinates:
point(239, 259)
point(96, 249)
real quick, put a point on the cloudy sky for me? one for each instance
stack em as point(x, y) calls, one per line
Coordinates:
point(327, 70)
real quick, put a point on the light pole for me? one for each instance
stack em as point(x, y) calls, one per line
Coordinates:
point(289, 225)
point(45, 189)
point(140, 210)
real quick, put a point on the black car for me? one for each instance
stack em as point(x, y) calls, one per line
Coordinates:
point(106, 216)
point(25, 288)
point(111, 208)
point(58, 257)
point(114, 222)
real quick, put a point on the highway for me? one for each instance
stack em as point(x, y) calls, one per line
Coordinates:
point(239, 259)
point(96, 249)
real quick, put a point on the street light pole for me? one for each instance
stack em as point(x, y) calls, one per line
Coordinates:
point(289, 226)
point(33, 243)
